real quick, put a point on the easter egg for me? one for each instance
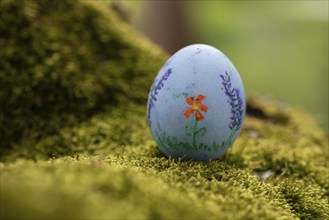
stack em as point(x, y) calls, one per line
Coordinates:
point(196, 105)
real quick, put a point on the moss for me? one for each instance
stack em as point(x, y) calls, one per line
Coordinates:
point(75, 142)
point(63, 61)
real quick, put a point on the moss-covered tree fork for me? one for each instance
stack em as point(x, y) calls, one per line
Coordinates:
point(74, 140)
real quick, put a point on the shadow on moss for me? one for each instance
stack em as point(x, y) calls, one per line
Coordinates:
point(62, 62)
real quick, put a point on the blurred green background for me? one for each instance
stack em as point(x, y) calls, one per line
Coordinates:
point(279, 47)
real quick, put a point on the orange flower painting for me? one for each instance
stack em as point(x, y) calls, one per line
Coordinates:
point(196, 107)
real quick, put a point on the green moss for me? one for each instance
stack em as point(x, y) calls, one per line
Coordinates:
point(63, 61)
point(75, 142)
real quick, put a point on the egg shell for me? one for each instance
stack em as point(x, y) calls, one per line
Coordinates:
point(196, 105)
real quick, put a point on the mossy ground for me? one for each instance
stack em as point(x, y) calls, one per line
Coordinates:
point(75, 142)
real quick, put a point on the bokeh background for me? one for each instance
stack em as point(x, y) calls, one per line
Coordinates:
point(280, 48)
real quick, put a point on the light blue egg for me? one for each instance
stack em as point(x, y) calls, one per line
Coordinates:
point(196, 106)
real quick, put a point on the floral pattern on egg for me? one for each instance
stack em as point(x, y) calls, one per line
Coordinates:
point(196, 104)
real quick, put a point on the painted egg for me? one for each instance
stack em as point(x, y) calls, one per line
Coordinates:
point(196, 105)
